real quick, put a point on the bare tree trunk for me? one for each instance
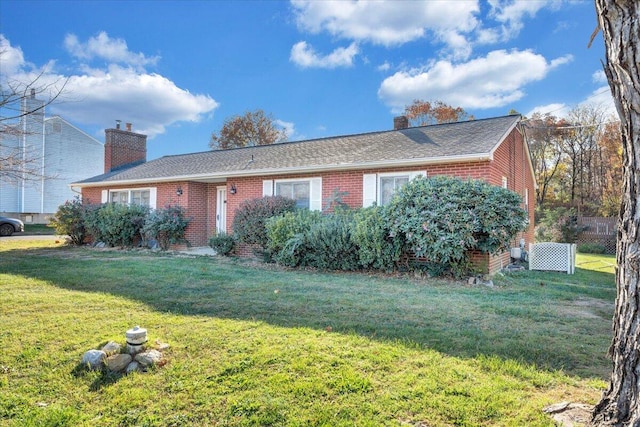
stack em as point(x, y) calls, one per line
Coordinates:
point(620, 24)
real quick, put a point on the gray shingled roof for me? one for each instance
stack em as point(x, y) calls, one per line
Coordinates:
point(475, 139)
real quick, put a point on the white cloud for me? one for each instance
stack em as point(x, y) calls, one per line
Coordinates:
point(384, 67)
point(289, 128)
point(98, 96)
point(492, 81)
point(603, 99)
point(150, 101)
point(511, 13)
point(305, 56)
point(388, 23)
point(600, 98)
point(456, 25)
point(11, 58)
point(104, 47)
point(557, 109)
point(599, 77)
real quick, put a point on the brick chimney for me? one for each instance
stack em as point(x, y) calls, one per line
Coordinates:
point(400, 122)
point(123, 148)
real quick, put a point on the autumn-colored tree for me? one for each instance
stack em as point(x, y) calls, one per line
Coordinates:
point(610, 142)
point(251, 129)
point(422, 113)
point(620, 403)
point(545, 135)
point(583, 156)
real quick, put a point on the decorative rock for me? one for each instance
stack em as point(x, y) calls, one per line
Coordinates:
point(94, 358)
point(111, 347)
point(148, 358)
point(161, 346)
point(132, 367)
point(118, 362)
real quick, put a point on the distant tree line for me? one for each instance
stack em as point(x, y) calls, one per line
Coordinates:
point(577, 161)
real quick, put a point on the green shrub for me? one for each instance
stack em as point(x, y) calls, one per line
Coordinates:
point(441, 219)
point(559, 225)
point(310, 239)
point(280, 229)
point(249, 219)
point(116, 224)
point(328, 244)
point(222, 243)
point(69, 220)
point(592, 248)
point(166, 225)
point(370, 234)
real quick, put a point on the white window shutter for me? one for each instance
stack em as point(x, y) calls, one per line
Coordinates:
point(417, 173)
point(104, 198)
point(315, 194)
point(369, 189)
point(267, 187)
point(153, 196)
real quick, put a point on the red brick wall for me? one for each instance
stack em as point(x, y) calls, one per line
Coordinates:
point(510, 160)
point(122, 148)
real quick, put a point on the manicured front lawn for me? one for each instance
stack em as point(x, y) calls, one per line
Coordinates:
point(255, 345)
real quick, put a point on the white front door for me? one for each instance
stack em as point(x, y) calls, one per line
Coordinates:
point(221, 210)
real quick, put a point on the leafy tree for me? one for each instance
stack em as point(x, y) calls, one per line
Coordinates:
point(544, 135)
point(422, 113)
point(251, 129)
point(611, 169)
point(620, 403)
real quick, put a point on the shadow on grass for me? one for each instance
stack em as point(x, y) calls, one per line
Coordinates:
point(103, 379)
point(554, 321)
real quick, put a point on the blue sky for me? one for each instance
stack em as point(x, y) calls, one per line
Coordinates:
point(177, 69)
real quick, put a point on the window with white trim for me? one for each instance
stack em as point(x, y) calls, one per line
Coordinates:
point(380, 188)
point(135, 196)
point(296, 190)
point(306, 192)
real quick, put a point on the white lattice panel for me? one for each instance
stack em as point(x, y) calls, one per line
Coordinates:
point(552, 257)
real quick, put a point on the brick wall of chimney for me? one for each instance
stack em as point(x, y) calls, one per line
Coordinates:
point(123, 147)
point(400, 122)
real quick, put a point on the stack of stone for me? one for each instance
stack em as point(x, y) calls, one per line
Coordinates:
point(134, 358)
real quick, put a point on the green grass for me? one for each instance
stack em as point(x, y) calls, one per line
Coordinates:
point(254, 345)
point(38, 229)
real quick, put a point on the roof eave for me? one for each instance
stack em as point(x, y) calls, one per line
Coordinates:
point(222, 176)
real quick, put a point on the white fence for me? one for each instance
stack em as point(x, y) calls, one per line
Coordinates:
point(552, 257)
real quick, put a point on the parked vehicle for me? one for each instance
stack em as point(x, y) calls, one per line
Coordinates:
point(8, 226)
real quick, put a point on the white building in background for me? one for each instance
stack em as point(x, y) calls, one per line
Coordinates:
point(58, 152)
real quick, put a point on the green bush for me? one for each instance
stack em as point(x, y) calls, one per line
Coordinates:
point(441, 219)
point(328, 244)
point(281, 229)
point(559, 225)
point(370, 234)
point(250, 217)
point(310, 239)
point(166, 225)
point(116, 224)
point(222, 243)
point(592, 248)
point(69, 220)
